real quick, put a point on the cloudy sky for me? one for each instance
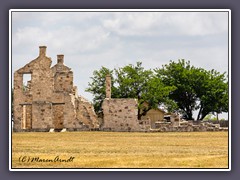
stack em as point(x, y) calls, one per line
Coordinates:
point(90, 40)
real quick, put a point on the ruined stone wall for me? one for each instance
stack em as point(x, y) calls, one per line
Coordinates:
point(58, 116)
point(27, 117)
point(50, 101)
point(108, 86)
point(185, 126)
point(79, 114)
point(223, 123)
point(18, 98)
point(63, 76)
point(120, 115)
point(36, 95)
point(42, 77)
point(64, 114)
point(41, 115)
point(86, 113)
point(70, 118)
point(63, 82)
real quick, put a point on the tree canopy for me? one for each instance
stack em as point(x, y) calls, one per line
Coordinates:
point(136, 82)
point(196, 88)
point(131, 81)
point(97, 87)
point(178, 86)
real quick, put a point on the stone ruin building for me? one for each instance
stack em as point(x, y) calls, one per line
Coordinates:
point(50, 101)
point(120, 114)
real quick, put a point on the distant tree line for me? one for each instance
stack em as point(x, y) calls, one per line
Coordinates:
point(177, 86)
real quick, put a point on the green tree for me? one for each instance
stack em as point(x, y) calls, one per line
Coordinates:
point(136, 82)
point(210, 117)
point(213, 94)
point(97, 87)
point(196, 88)
point(131, 82)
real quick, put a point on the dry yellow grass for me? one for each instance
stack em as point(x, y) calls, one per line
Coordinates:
point(122, 150)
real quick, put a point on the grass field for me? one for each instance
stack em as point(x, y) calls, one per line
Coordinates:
point(120, 150)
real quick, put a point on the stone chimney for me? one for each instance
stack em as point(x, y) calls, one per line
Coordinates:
point(42, 50)
point(108, 86)
point(60, 59)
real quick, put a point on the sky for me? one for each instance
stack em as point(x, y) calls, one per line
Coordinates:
point(90, 40)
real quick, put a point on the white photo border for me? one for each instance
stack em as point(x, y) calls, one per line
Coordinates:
point(119, 10)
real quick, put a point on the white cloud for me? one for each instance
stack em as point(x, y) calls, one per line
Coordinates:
point(69, 39)
point(91, 40)
point(204, 23)
point(167, 23)
point(28, 35)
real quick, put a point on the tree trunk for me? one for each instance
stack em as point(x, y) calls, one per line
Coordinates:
point(200, 112)
point(144, 112)
point(139, 114)
point(203, 116)
point(189, 114)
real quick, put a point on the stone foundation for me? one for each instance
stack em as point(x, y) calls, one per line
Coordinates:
point(187, 126)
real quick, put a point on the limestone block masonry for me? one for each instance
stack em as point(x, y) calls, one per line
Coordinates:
point(108, 86)
point(120, 115)
point(49, 101)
